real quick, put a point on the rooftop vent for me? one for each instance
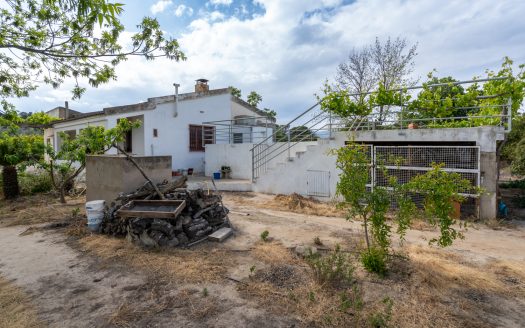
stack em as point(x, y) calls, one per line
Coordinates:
point(201, 85)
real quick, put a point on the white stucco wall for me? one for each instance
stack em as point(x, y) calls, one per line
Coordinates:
point(75, 125)
point(236, 156)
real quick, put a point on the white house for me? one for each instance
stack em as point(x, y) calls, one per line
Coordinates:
point(178, 125)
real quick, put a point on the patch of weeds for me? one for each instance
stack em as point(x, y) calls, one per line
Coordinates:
point(75, 212)
point(381, 319)
point(374, 260)
point(252, 269)
point(351, 301)
point(264, 235)
point(32, 183)
point(336, 268)
point(205, 292)
point(311, 296)
point(317, 241)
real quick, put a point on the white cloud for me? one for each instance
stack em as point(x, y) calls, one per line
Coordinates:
point(160, 6)
point(183, 9)
point(285, 54)
point(221, 2)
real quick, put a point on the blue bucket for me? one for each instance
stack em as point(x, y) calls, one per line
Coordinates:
point(216, 175)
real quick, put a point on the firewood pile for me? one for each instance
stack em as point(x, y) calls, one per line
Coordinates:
point(202, 215)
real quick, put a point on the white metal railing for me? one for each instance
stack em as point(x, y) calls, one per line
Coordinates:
point(245, 129)
point(314, 123)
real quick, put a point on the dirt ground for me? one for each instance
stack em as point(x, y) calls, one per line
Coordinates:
point(67, 277)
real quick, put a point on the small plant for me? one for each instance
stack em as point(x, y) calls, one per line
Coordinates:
point(264, 235)
point(335, 268)
point(374, 260)
point(311, 296)
point(352, 300)
point(381, 319)
point(75, 212)
point(252, 270)
point(205, 292)
point(317, 241)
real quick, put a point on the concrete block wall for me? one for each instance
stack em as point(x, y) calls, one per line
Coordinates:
point(109, 175)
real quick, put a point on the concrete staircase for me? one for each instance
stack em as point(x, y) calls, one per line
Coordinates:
point(288, 175)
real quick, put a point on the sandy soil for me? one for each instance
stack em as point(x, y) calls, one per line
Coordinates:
point(94, 281)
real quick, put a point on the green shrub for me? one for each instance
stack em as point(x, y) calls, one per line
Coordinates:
point(264, 235)
point(374, 260)
point(37, 182)
point(514, 184)
point(335, 268)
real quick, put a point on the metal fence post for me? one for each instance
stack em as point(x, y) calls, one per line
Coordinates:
point(509, 109)
point(330, 124)
point(288, 135)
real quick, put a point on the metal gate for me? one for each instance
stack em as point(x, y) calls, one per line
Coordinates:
point(406, 162)
point(318, 183)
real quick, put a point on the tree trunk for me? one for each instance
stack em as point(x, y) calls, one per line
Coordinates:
point(10, 178)
point(366, 234)
point(62, 191)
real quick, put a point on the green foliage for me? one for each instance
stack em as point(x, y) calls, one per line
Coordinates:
point(514, 148)
point(335, 269)
point(381, 319)
point(341, 103)
point(353, 300)
point(440, 190)
point(374, 260)
point(514, 184)
point(437, 101)
point(235, 92)
point(254, 99)
point(57, 39)
point(264, 235)
point(32, 183)
point(438, 187)
point(66, 163)
point(205, 292)
point(270, 112)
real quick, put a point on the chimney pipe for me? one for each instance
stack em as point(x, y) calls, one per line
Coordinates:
point(176, 85)
point(66, 114)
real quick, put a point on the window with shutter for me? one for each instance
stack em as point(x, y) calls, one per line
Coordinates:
point(196, 134)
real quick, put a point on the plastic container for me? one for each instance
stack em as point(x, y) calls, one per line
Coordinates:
point(216, 175)
point(95, 214)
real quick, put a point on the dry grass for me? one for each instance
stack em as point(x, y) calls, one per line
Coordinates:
point(189, 266)
point(302, 205)
point(15, 308)
point(35, 209)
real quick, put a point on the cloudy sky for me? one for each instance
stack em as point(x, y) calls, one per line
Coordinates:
point(285, 49)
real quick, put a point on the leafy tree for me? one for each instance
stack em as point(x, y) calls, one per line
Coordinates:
point(17, 150)
point(439, 189)
point(66, 163)
point(386, 65)
point(270, 112)
point(254, 99)
point(235, 92)
point(297, 133)
point(52, 40)
point(21, 144)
